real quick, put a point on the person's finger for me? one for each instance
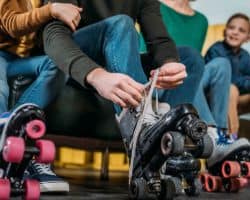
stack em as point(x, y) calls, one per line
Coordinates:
point(77, 8)
point(127, 98)
point(78, 19)
point(117, 100)
point(168, 85)
point(133, 91)
point(71, 25)
point(171, 70)
point(138, 86)
point(173, 78)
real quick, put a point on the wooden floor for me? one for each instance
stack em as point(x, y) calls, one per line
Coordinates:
point(87, 186)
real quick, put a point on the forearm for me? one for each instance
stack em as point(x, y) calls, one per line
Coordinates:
point(243, 83)
point(160, 45)
point(15, 22)
point(67, 55)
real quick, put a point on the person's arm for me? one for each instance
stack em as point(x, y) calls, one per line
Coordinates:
point(16, 23)
point(213, 52)
point(242, 80)
point(160, 46)
point(60, 46)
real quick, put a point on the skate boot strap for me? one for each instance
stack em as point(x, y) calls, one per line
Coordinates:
point(146, 103)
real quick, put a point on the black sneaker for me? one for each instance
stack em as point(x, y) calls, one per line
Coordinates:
point(49, 181)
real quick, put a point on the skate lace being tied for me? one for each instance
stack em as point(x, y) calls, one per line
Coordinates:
point(148, 117)
point(43, 168)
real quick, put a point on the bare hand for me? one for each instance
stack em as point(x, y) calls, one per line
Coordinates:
point(171, 75)
point(119, 88)
point(67, 13)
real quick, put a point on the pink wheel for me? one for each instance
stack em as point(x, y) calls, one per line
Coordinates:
point(47, 151)
point(203, 178)
point(35, 129)
point(246, 169)
point(235, 184)
point(230, 169)
point(32, 190)
point(5, 189)
point(213, 184)
point(13, 149)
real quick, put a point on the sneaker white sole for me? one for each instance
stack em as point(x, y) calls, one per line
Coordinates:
point(54, 187)
point(238, 145)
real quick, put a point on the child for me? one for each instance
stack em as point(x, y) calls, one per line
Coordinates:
point(236, 33)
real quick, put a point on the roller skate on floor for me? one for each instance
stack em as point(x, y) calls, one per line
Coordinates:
point(181, 174)
point(228, 167)
point(151, 138)
point(19, 144)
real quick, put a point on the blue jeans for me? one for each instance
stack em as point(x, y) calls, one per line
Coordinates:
point(49, 79)
point(113, 43)
point(186, 92)
point(212, 96)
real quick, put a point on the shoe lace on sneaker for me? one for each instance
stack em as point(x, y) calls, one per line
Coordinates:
point(43, 168)
point(147, 117)
point(223, 139)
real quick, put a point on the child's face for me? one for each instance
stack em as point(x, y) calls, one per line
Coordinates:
point(237, 32)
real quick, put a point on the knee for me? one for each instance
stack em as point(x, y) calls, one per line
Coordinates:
point(47, 66)
point(192, 59)
point(123, 23)
point(222, 68)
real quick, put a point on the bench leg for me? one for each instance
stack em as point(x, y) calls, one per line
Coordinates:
point(105, 165)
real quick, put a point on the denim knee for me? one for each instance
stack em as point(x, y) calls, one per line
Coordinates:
point(221, 68)
point(122, 23)
point(192, 59)
point(47, 65)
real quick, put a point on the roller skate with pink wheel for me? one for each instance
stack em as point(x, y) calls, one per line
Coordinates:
point(20, 142)
point(228, 168)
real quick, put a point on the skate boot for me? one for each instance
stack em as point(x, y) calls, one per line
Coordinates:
point(148, 144)
point(19, 143)
point(229, 166)
point(181, 172)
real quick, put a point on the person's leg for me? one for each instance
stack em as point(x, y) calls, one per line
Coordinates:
point(201, 104)
point(49, 79)
point(113, 43)
point(210, 102)
point(218, 89)
point(233, 121)
point(4, 88)
point(243, 104)
point(186, 92)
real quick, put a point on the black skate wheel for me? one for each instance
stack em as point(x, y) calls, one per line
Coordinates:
point(194, 188)
point(171, 187)
point(208, 147)
point(138, 189)
point(172, 143)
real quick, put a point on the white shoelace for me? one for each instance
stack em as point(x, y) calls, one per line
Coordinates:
point(43, 168)
point(147, 114)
